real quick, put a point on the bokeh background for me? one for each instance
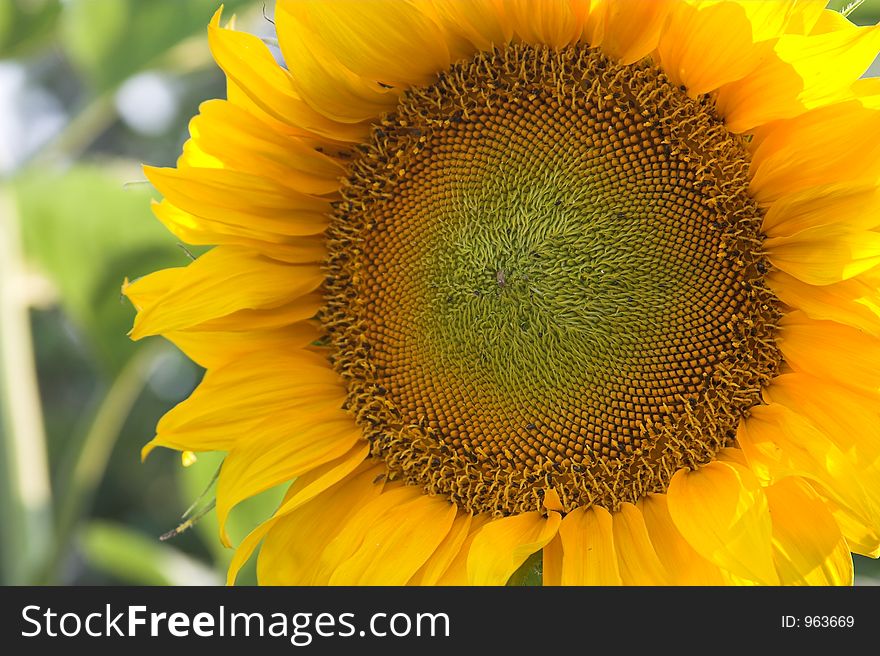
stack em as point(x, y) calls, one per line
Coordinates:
point(89, 91)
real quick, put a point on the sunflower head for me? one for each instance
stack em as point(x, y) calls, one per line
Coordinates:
point(535, 208)
point(493, 278)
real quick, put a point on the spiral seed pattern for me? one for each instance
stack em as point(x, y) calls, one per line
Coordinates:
point(546, 273)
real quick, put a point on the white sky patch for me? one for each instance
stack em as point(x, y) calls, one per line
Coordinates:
point(29, 117)
point(147, 103)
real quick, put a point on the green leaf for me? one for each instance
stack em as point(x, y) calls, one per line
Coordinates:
point(25, 25)
point(110, 41)
point(90, 32)
point(860, 12)
point(136, 559)
point(530, 573)
point(88, 232)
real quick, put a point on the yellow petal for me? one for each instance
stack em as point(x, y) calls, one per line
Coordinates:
point(778, 443)
point(456, 573)
point(829, 350)
point(552, 22)
point(438, 563)
point(632, 30)
point(808, 548)
point(250, 320)
point(321, 80)
point(829, 21)
point(280, 449)
point(315, 482)
point(867, 90)
point(551, 562)
point(482, 24)
point(240, 141)
point(504, 544)
point(397, 542)
point(722, 512)
point(217, 414)
point(254, 74)
point(862, 536)
point(551, 500)
point(806, 71)
point(246, 549)
point(236, 199)
point(292, 549)
point(732, 454)
point(692, 54)
point(211, 349)
point(825, 254)
point(145, 291)
point(201, 292)
point(636, 557)
point(684, 565)
point(198, 230)
point(851, 302)
point(821, 147)
point(217, 341)
point(586, 543)
point(306, 488)
point(390, 41)
point(852, 205)
point(350, 536)
point(849, 419)
point(194, 155)
point(772, 19)
point(594, 30)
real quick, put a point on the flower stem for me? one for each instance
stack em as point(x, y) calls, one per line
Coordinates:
point(87, 469)
point(26, 500)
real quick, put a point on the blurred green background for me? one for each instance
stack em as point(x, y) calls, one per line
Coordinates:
point(89, 90)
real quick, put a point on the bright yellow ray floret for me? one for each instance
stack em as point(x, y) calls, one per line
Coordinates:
point(304, 169)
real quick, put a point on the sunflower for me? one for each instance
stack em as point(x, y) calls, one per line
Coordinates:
point(593, 279)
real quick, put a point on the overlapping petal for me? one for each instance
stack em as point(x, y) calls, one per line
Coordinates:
point(258, 177)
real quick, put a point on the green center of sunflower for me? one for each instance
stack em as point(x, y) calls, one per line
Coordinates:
point(546, 273)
